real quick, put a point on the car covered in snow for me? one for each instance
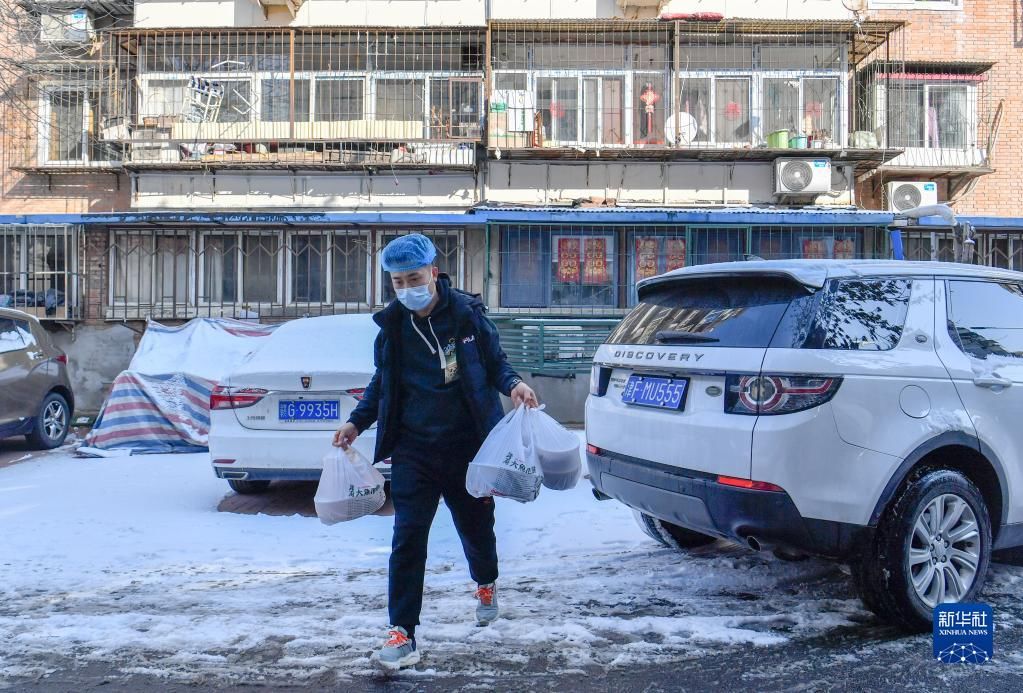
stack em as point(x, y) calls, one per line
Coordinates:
point(35, 392)
point(274, 416)
point(867, 411)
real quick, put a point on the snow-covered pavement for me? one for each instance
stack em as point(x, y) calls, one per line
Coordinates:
point(126, 560)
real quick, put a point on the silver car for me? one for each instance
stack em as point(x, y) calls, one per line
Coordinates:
point(35, 394)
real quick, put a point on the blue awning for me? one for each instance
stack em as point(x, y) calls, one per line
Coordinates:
point(479, 216)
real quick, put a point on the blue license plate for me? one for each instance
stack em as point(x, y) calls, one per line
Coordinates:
point(649, 391)
point(308, 410)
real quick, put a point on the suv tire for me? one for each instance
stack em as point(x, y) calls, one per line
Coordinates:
point(669, 535)
point(933, 545)
point(52, 423)
point(248, 487)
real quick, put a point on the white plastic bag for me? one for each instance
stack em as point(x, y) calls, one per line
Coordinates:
point(506, 465)
point(350, 487)
point(557, 450)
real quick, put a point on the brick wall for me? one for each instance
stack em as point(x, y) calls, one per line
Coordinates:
point(982, 31)
point(97, 261)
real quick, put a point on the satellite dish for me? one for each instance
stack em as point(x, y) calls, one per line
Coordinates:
point(680, 128)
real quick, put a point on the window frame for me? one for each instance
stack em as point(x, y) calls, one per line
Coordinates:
point(46, 93)
point(883, 99)
point(189, 298)
point(240, 235)
point(328, 276)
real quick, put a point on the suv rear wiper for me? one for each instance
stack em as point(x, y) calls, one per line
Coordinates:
point(677, 336)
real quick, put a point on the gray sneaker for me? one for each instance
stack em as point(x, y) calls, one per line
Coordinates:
point(399, 651)
point(486, 604)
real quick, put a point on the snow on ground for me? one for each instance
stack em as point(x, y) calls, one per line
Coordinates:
point(127, 560)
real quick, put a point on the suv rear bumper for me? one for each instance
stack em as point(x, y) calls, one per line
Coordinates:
point(224, 471)
point(697, 501)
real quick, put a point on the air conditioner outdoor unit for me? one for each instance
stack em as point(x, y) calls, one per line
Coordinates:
point(75, 26)
point(802, 176)
point(906, 194)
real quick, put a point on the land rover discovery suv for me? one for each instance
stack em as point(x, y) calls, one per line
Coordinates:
point(867, 411)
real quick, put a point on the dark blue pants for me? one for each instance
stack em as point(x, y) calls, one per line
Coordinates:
point(419, 479)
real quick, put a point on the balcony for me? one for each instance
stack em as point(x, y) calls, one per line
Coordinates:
point(313, 98)
point(715, 91)
point(943, 115)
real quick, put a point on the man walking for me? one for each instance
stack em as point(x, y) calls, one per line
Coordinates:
point(434, 396)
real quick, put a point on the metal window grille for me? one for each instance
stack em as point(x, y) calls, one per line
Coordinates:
point(685, 86)
point(267, 273)
point(39, 270)
point(593, 270)
point(328, 97)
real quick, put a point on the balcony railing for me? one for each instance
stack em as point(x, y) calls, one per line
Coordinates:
point(312, 97)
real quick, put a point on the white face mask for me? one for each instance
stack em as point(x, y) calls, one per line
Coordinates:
point(415, 297)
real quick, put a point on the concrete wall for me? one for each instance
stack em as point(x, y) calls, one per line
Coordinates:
point(96, 354)
point(645, 183)
point(393, 191)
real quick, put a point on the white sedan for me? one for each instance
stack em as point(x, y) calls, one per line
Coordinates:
point(274, 416)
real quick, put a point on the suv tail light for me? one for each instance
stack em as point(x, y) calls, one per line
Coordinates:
point(61, 358)
point(224, 397)
point(358, 393)
point(777, 394)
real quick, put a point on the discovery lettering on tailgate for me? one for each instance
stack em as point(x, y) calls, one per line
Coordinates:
point(640, 355)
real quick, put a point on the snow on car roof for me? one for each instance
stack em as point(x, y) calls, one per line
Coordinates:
point(327, 344)
point(815, 273)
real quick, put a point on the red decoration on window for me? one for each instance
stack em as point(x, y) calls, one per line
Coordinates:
point(557, 110)
point(595, 270)
point(568, 260)
point(815, 110)
point(733, 110)
point(646, 258)
point(675, 249)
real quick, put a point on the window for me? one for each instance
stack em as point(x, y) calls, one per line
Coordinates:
point(132, 268)
point(737, 312)
point(237, 104)
point(349, 270)
point(150, 269)
point(849, 315)
point(11, 338)
point(69, 131)
point(649, 109)
point(932, 115)
point(220, 269)
point(339, 99)
point(986, 318)
point(555, 267)
point(718, 110)
point(276, 100)
point(804, 105)
point(454, 108)
point(259, 267)
point(400, 99)
point(309, 259)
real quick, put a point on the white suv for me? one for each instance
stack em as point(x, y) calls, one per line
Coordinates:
point(868, 411)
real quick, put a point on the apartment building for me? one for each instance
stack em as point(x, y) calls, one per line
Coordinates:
point(249, 158)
